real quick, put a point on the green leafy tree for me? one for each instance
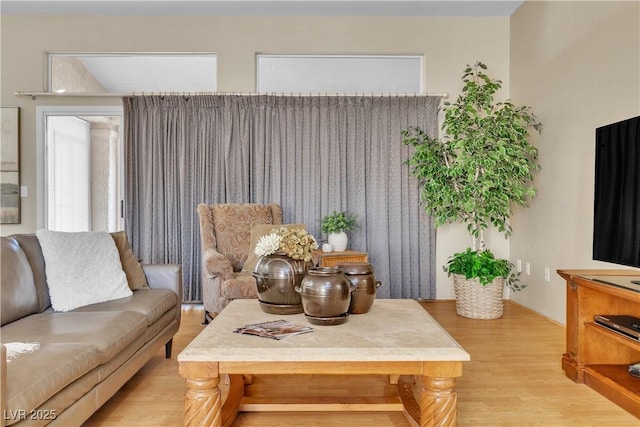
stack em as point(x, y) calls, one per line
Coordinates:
point(481, 166)
point(483, 163)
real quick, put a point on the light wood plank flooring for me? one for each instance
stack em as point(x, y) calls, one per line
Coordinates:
point(514, 379)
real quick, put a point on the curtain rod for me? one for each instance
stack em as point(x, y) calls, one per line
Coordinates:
point(34, 95)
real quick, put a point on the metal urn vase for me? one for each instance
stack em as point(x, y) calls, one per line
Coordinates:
point(276, 277)
point(361, 275)
point(326, 294)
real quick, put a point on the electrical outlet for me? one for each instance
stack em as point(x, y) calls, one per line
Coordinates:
point(23, 191)
point(519, 266)
point(527, 268)
point(547, 274)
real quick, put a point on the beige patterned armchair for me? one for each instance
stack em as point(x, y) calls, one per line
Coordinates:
point(225, 232)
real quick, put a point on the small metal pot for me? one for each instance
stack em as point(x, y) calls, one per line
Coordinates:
point(325, 292)
point(361, 276)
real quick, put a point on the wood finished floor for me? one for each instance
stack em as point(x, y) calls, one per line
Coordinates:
point(514, 379)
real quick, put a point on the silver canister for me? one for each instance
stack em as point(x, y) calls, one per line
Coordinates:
point(361, 276)
point(276, 276)
point(325, 292)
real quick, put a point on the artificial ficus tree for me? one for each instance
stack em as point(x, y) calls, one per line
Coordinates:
point(482, 164)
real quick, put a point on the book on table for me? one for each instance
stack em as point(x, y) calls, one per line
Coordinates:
point(275, 329)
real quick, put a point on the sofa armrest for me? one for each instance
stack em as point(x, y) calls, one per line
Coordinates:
point(3, 385)
point(166, 276)
point(216, 264)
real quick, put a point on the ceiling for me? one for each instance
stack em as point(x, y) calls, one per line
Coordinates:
point(262, 7)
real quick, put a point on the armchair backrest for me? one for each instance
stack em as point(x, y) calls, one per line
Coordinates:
point(226, 228)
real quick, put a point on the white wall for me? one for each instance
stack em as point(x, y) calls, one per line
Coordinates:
point(448, 44)
point(578, 65)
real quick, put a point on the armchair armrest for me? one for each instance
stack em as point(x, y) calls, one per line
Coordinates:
point(217, 264)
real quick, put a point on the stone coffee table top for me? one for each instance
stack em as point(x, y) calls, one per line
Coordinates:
point(393, 330)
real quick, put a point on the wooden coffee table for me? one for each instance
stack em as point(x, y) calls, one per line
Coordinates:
point(396, 338)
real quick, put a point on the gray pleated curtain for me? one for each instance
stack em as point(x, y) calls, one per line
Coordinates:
point(310, 154)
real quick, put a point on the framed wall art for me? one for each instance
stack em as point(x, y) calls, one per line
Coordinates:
point(9, 165)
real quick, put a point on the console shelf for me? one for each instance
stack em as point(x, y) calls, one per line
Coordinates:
point(613, 335)
point(595, 355)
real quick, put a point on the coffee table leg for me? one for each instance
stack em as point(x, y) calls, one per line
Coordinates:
point(438, 400)
point(438, 403)
point(202, 401)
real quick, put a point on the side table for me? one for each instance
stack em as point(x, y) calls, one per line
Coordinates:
point(331, 259)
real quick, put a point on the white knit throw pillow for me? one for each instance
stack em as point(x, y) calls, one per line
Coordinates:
point(82, 268)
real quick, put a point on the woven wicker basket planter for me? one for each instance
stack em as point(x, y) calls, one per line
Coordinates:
point(476, 301)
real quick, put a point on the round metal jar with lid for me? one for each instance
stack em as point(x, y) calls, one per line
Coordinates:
point(325, 292)
point(276, 277)
point(361, 276)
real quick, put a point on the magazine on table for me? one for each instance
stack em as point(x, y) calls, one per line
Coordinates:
point(276, 329)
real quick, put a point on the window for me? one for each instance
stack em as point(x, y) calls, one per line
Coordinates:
point(127, 72)
point(79, 168)
point(68, 174)
point(339, 74)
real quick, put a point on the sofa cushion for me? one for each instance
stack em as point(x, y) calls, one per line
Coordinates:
point(167, 319)
point(151, 303)
point(82, 268)
point(130, 264)
point(31, 247)
point(107, 332)
point(232, 225)
point(19, 295)
point(33, 378)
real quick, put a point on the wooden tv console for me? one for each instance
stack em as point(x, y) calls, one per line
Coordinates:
point(595, 355)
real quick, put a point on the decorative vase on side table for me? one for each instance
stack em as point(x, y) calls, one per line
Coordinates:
point(338, 241)
point(335, 225)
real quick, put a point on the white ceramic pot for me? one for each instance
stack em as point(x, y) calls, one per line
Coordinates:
point(327, 247)
point(339, 241)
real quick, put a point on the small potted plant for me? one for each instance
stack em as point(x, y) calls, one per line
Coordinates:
point(335, 226)
point(481, 166)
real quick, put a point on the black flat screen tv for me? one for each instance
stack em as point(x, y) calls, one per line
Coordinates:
point(616, 222)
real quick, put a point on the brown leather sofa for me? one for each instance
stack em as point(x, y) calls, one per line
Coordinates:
point(86, 354)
